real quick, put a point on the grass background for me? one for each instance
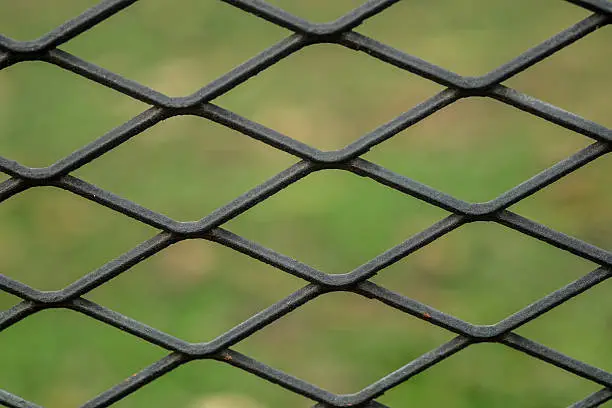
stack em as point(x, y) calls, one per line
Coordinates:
point(327, 96)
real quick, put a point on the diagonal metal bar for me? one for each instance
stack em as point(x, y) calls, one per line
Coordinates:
point(415, 367)
point(275, 376)
point(595, 400)
point(137, 381)
point(560, 360)
point(17, 313)
point(107, 142)
point(551, 113)
point(598, 6)
point(128, 325)
point(13, 401)
point(553, 300)
point(70, 29)
point(400, 59)
point(280, 17)
point(544, 49)
point(555, 238)
point(10, 187)
point(102, 76)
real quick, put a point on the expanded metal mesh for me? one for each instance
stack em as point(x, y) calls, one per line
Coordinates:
point(209, 228)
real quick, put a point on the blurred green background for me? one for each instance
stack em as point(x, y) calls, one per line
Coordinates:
point(326, 96)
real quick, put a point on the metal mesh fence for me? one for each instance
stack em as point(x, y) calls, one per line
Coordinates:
point(311, 160)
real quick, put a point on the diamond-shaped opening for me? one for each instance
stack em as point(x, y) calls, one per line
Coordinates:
point(332, 104)
point(196, 290)
point(335, 220)
point(60, 358)
point(580, 328)
point(50, 237)
point(317, 10)
point(47, 112)
point(477, 148)
point(186, 167)
point(491, 375)
point(584, 70)
point(176, 50)
point(212, 384)
point(4, 177)
point(345, 341)
point(578, 204)
point(470, 37)
point(29, 19)
point(483, 272)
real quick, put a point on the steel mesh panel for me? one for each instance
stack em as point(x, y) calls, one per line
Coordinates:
point(311, 160)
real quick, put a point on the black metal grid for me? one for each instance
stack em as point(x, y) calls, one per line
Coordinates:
point(209, 228)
